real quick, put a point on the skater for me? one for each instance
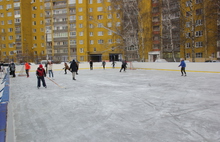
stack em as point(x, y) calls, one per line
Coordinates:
point(66, 67)
point(27, 68)
point(123, 65)
point(50, 69)
point(103, 64)
point(12, 69)
point(91, 64)
point(40, 76)
point(183, 66)
point(73, 69)
point(113, 64)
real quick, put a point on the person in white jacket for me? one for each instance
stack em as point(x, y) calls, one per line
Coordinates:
point(50, 69)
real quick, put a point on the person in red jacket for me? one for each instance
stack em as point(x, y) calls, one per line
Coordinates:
point(27, 68)
point(40, 76)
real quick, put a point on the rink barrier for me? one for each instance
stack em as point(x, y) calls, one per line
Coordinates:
point(165, 66)
point(6, 117)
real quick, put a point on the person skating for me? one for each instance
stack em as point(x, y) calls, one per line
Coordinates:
point(12, 69)
point(123, 65)
point(103, 64)
point(91, 64)
point(66, 67)
point(113, 64)
point(50, 69)
point(27, 68)
point(183, 66)
point(73, 69)
point(40, 73)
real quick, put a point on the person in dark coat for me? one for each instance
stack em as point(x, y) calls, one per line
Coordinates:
point(40, 76)
point(103, 64)
point(12, 69)
point(183, 66)
point(113, 64)
point(73, 68)
point(91, 64)
point(123, 65)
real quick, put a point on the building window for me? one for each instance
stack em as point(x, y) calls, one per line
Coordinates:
point(187, 55)
point(94, 49)
point(199, 44)
point(110, 41)
point(9, 21)
point(109, 24)
point(187, 45)
point(80, 41)
point(199, 22)
point(99, 1)
point(199, 1)
point(100, 33)
point(99, 8)
point(100, 25)
point(188, 24)
point(80, 17)
point(109, 8)
point(80, 1)
point(100, 17)
point(91, 34)
point(109, 32)
point(199, 55)
point(90, 25)
point(90, 9)
point(199, 11)
point(81, 58)
point(91, 41)
point(10, 30)
point(72, 42)
point(80, 33)
point(198, 33)
point(100, 41)
point(81, 50)
point(90, 1)
point(80, 9)
point(109, 16)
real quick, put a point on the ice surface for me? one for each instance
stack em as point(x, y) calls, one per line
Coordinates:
point(112, 106)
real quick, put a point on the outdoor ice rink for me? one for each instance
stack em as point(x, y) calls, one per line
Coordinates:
point(112, 106)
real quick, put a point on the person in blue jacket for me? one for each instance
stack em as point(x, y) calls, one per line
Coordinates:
point(183, 66)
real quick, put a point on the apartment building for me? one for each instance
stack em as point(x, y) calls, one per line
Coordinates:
point(199, 30)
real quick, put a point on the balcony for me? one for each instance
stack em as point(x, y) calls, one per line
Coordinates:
point(59, 6)
point(16, 0)
point(156, 32)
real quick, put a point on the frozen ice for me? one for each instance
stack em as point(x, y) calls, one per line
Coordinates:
point(112, 106)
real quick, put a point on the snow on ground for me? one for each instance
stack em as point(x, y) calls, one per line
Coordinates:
point(112, 106)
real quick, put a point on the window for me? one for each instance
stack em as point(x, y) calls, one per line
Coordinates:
point(80, 1)
point(198, 33)
point(199, 11)
point(9, 14)
point(72, 33)
point(99, 8)
point(81, 58)
point(199, 22)
point(110, 41)
point(90, 1)
point(100, 25)
point(199, 44)
point(199, 1)
point(91, 41)
point(8, 6)
point(188, 3)
point(80, 41)
point(109, 8)
point(188, 14)
point(80, 9)
point(72, 42)
point(118, 15)
point(91, 34)
point(9, 21)
point(100, 41)
point(10, 37)
point(100, 33)
point(80, 17)
point(109, 16)
point(188, 24)
point(118, 24)
point(199, 55)
point(109, 32)
point(99, 1)
point(2, 23)
point(80, 33)
point(34, 23)
point(187, 35)
point(81, 50)
point(187, 45)
point(10, 30)
point(90, 25)
point(187, 55)
point(94, 49)
point(109, 24)
point(99, 17)
point(90, 9)
point(80, 25)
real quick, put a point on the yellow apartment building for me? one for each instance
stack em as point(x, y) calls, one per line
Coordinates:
point(199, 35)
